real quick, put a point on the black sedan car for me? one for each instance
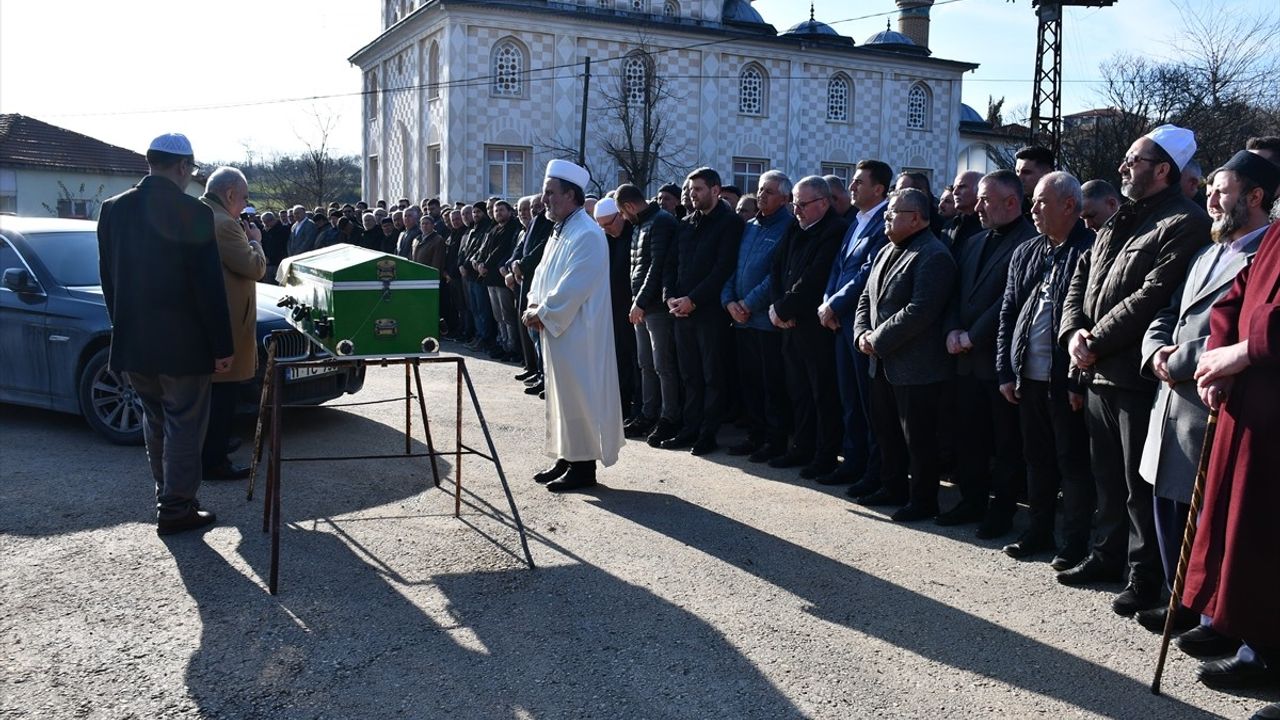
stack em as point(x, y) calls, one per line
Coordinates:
point(55, 337)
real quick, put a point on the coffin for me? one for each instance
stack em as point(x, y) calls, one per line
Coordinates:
point(356, 302)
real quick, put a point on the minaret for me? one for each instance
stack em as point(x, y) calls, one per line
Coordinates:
point(913, 20)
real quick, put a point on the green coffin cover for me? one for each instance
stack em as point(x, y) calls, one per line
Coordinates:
point(356, 302)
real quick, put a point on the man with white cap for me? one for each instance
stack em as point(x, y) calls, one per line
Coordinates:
point(618, 231)
point(1138, 260)
point(569, 306)
point(171, 330)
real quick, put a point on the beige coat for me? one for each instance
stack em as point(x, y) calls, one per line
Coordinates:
point(243, 264)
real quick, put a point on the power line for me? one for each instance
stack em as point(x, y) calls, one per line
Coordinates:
point(475, 81)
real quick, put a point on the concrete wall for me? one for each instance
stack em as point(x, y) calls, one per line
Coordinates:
point(37, 188)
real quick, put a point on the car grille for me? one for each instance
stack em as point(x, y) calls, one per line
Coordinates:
point(292, 345)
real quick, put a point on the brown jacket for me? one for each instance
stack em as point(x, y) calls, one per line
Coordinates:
point(1138, 260)
point(243, 264)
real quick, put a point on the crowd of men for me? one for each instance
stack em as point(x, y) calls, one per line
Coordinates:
point(1027, 335)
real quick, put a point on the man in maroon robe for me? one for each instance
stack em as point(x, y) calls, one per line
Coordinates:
point(1234, 575)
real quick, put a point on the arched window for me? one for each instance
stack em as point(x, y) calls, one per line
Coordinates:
point(508, 66)
point(640, 5)
point(433, 71)
point(838, 98)
point(371, 95)
point(671, 8)
point(751, 89)
point(918, 107)
point(635, 78)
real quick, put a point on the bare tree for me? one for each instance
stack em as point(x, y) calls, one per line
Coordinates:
point(1220, 84)
point(313, 177)
point(637, 108)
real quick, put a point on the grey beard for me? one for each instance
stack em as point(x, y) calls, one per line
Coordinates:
point(1226, 226)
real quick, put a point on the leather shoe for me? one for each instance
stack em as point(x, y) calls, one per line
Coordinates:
point(1233, 673)
point(705, 446)
point(1027, 545)
point(862, 488)
point(818, 469)
point(1068, 557)
point(789, 460)
point(664, 430)
point(1136, 597)
point(883, 496)
point(995, 523)
point(195, 518)
point(767, 452)
point(1090, 571)
point(535, 389)
point(746, 447)
point(560, 468)
point(841, 475)
point(542, 394)
point(679, 442)
point(1153, 619)
point(1270, 712)
point(526, 375)
point(535, 379)
point(640, 427)
point(912, 512)
point(580, 476)
point(1204, 641)
point(227, 471)
point(962, 514)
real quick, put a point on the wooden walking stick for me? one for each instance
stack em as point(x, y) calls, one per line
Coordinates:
point(1188, 537)
point(262, 412)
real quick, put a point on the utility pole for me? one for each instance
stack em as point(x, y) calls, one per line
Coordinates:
point(1046, 93)
point(586, 91)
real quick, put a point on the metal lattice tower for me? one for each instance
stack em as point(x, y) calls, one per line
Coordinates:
point(1046, 94)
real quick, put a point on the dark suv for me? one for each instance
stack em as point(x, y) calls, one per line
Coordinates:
point(55, 337)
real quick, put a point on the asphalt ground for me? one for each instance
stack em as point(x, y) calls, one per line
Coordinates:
point(682, 587)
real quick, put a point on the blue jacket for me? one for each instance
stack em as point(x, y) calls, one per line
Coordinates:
point(750, 282)
point(853, 262)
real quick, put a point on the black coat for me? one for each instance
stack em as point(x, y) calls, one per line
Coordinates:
point(706, 254)
point(275, 244)
point(979, 289)
point(496, 251)
point(651, 242)
point(801, 266)
point(529, 250)
point(1027, 270)
point(162, 281)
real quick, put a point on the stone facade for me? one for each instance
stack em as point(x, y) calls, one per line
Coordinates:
point(470, 98)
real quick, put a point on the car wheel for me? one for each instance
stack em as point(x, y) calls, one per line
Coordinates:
point(109, 402)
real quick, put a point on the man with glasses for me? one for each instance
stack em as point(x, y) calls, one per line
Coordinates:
point(157, 244)
point(799, 277)
point(1137, 262)
point(899, 327)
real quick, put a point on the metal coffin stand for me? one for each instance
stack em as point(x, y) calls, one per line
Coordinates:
point(269, 413)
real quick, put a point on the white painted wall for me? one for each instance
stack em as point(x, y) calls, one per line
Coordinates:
point(36, 188)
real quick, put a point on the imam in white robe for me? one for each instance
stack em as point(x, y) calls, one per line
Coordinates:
point(571, 289)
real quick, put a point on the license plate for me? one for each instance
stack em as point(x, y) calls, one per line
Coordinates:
point(299, 373)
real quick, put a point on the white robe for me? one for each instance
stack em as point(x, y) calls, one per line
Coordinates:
point(571, 289)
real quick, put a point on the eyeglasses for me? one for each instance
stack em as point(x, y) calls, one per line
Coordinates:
point(891, 214)
point(1131, 160)
point(801, 205)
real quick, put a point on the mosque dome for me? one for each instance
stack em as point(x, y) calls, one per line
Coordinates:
point(888, 37)
point(969, 115)
point(812, 28)
point(741, 11)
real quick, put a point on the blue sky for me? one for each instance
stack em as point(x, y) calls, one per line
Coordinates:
point(68, 69)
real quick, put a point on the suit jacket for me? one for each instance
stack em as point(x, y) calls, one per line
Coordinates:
point(801, 265)
point(852, 263)
point(975, 304)
point(1175, 433)
point(302, 237)
point(162, 281)
point(243, 265)
point(528, 251)
point(901, 310)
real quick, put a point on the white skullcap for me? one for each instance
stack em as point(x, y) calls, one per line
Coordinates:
point(570, 173)
point(1180, 143)
point(607, 207)
point(172, 143)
